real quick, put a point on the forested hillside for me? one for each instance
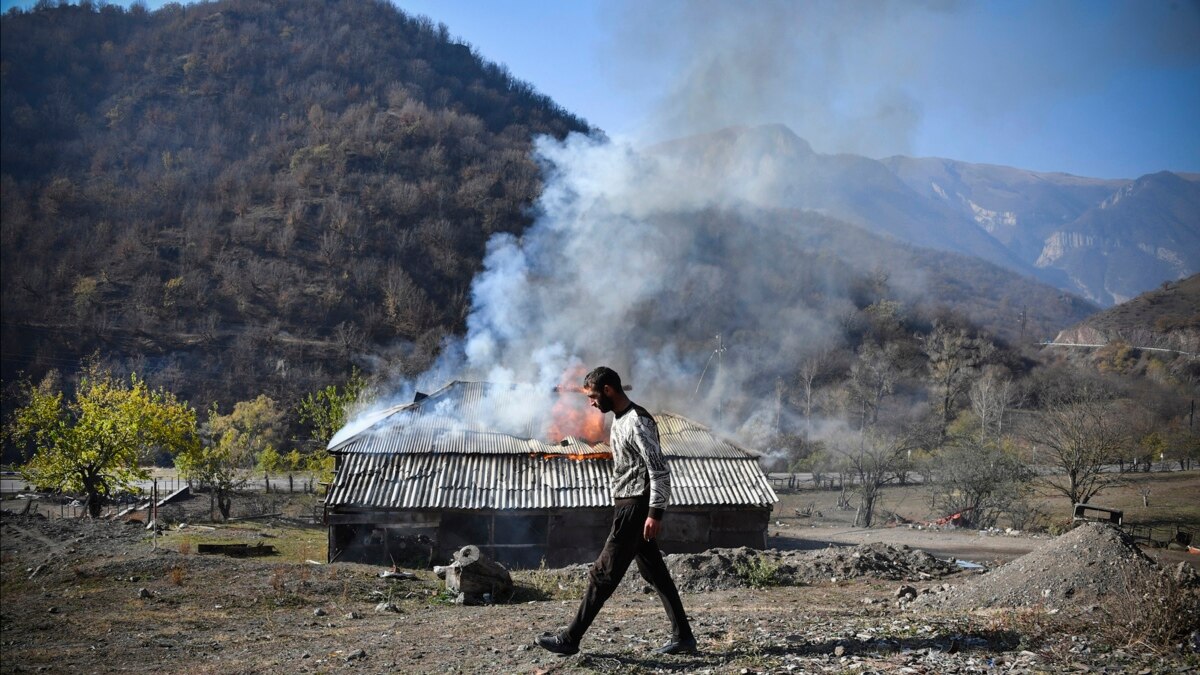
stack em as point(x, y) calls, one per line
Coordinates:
point(234, 204)
point(235, 197)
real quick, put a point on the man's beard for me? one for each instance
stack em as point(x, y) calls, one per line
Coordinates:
point(604, 403)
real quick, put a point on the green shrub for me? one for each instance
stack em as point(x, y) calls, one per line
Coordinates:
point(758, 572)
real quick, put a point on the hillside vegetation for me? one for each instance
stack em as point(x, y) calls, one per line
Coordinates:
point(1168, 314)
point(239, 198)
point(235, 197)
point(1154, 334)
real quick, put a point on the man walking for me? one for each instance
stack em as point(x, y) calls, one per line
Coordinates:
point(641, 488)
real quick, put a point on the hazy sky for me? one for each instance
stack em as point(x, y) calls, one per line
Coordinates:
point(1092, 87)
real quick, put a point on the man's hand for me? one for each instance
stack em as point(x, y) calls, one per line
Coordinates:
point(650, 531)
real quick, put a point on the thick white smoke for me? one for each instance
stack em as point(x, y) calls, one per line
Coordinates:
point(636, 260)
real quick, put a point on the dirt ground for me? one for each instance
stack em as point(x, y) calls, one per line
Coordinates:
point(84, 596)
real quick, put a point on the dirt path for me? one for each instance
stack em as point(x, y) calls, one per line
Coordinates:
point(104, 601)
point(970, 546)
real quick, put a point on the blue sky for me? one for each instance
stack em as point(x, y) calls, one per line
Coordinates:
point(1100, 88)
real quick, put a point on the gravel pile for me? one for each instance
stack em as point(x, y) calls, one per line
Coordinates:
point(1070, 572)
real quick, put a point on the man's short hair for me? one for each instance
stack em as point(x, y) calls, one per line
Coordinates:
point(601, 376)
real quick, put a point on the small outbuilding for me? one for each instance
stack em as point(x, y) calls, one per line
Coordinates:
point(416, 485)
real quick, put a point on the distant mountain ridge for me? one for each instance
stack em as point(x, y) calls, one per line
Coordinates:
point(1105, 240)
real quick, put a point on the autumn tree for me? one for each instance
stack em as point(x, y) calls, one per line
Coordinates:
point(231, 447)
point(95, 443)
point(327, 410)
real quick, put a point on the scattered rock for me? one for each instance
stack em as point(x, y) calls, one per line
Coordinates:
point(319, 612)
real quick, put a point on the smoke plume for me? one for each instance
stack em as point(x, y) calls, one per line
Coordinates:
point(639, 259)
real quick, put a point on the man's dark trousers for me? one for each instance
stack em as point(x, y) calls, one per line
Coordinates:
point(625, 544)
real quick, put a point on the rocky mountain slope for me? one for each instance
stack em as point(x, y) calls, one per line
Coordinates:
point(1105, 240)
point(1167, 317)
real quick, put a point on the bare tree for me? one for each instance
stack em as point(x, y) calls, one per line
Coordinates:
point(348, 337)
point(977, 478)
point(991, 396)
point(811, 369)
point(330, 247)
point(954, 359)
point(873, 377)
point(1078, 432)
point(872, 458)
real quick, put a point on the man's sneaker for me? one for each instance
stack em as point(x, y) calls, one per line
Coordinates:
point(557, 643)
point(678, 646)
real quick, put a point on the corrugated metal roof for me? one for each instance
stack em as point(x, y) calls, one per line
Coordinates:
point(415, 457)
point(458, 481)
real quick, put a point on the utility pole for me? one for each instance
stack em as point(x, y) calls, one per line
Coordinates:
point(717, 352)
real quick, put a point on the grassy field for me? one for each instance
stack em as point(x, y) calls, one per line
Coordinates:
point(1173, 500)
point(294, 544)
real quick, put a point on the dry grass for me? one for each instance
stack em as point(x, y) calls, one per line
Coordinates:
point(1172, 502)
point(294, 543)
point(1155, 614)
point(1035, 625)
point(546, 584)
point(279, 577)
point(1172, 498)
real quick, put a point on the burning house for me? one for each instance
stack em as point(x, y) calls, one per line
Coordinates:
point(418, 482)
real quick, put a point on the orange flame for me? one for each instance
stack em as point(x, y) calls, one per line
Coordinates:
point(577, 456)
point(572, 415)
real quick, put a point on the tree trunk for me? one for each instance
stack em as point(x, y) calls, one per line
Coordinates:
point(474, 575)
point(224, 504)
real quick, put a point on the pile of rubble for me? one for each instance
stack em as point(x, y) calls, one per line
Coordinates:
point(1072, 571)
point(725, 568)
